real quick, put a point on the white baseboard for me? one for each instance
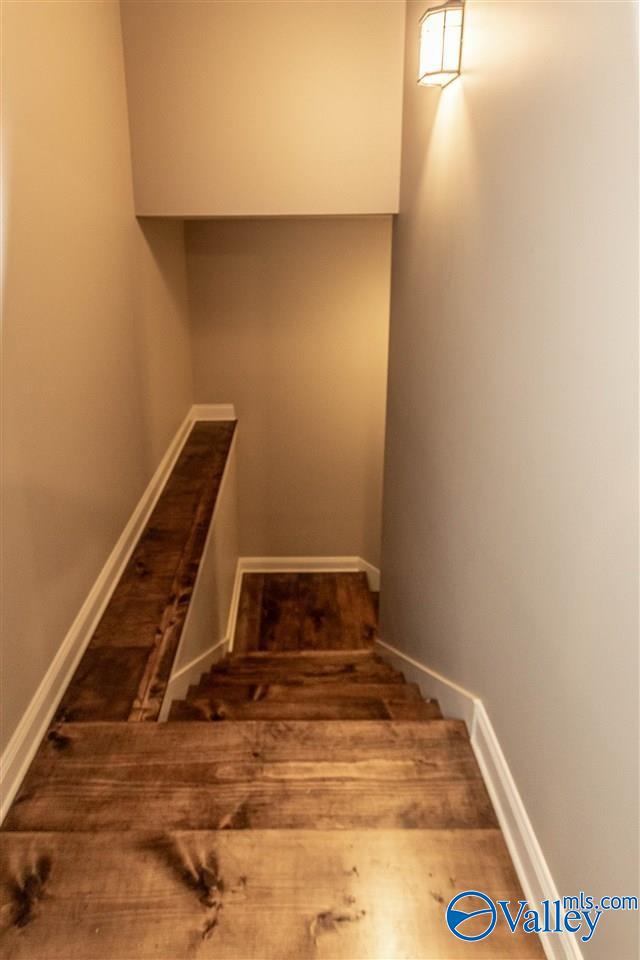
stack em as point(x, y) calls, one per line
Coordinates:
point(456, 702)
point(213, 411)
point(234, 605)
point(524, 848)
point(373, 573)
point(26, 738)
point(312, 565)
point(526, 853)
point(190, 673)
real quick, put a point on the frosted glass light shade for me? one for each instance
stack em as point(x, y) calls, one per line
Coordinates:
point(441, 44)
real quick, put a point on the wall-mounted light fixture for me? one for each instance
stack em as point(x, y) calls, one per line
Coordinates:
point(441, 44)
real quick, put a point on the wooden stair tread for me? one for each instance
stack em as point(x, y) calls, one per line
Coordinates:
point(355, 671)
point(79, 743)
point(254, 775)
point(332, 814)
point(254, 692)
point(272, 677)
point(273, 895)
point(327, 708)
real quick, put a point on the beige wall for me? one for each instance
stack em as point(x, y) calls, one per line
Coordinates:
point(95, 361)
point(264, 107)
point(510, 523)
point(290, 323)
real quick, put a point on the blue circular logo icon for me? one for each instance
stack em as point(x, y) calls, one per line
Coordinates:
point(464, 908)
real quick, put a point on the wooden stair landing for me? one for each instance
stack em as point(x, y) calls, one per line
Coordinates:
point(305, 611)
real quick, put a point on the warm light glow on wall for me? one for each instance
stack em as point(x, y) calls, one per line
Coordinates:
point(441, 44)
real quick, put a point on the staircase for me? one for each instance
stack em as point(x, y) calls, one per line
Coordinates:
point(313, 805)
point(321, 687)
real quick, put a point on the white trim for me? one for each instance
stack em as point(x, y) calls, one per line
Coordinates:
point(524, 848)
point(234, 605)
point(455, 701)
point(312, 565)
point(26, 738)
point(526, 853)
point(213, 411)
point(190, 673)
point(373, 573)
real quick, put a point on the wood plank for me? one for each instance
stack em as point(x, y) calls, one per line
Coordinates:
point(374, 673)
point(273, 895)
point(305, 611)
point(320, 621)
point(283, 600)
point(305, 691)
point(104, 685)
point(259, 775)
point(247, 634)
point(202, 708)
point(126, 667)
point(357, 613)
point(308, 796)
point(308, 661)
point(129, 621)
point(77, 744)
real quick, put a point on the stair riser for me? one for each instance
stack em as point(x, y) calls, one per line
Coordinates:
point(293, 693)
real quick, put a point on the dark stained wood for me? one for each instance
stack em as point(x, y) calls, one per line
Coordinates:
point(274, 775)
point(273, 895)
point(332, 814)
point(327, 708)
point(357, 614)
point(343, 673)
point(304, 611)
point(348, 691)
point(247, 635)
point(105, 684)
point(124, 672)
point(375, 599)
point(77, 744)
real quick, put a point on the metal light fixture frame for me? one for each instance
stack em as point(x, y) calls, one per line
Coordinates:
point(423, 78)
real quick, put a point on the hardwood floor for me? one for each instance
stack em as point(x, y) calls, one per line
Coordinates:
point(328, 812)
point(305, 611)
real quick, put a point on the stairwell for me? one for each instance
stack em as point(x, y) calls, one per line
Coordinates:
point(313, 804)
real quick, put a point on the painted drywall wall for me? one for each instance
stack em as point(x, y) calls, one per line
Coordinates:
point(510, 521)
point(290, 322)
point(96, 372)
point(264, 108)
point(163, 333)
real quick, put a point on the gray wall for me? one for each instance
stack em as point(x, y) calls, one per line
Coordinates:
point(510, 518)
point(96, 371)
point(290, 322)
